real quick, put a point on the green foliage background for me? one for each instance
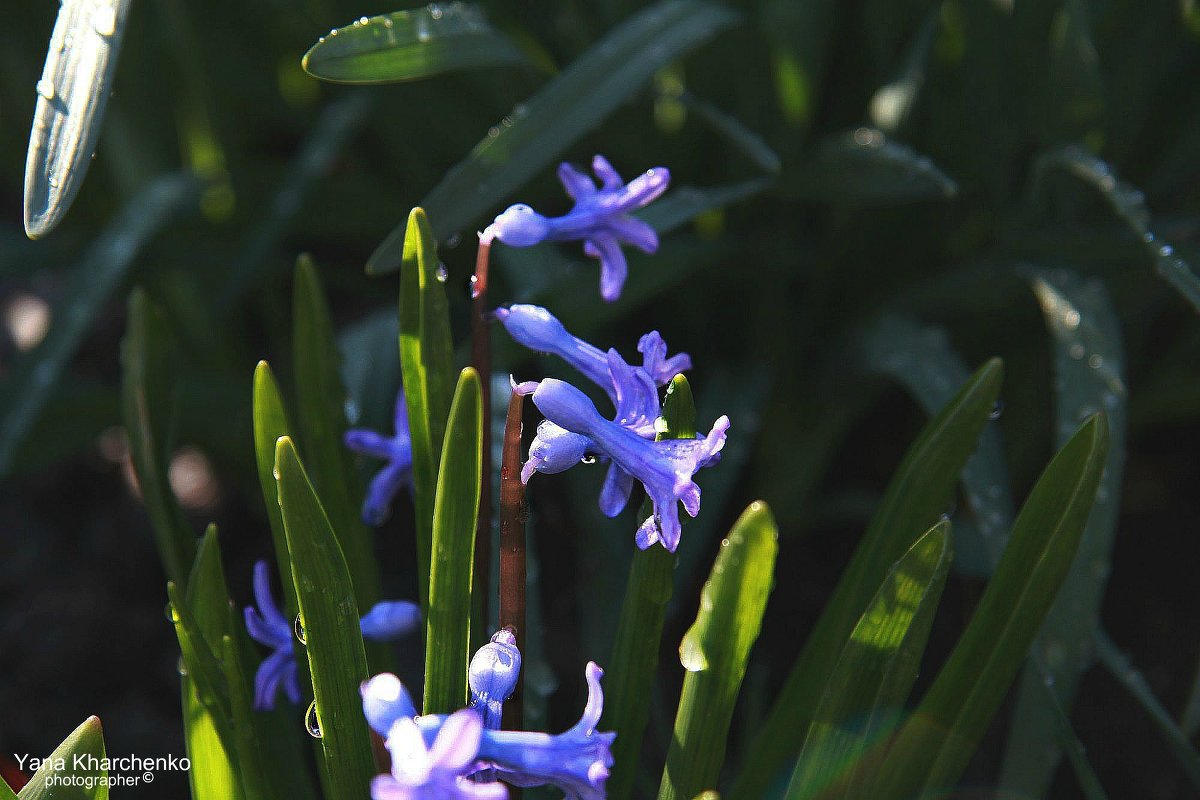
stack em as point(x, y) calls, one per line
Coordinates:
point(881, 192)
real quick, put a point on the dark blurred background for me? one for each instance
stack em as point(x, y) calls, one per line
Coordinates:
point(771, 295)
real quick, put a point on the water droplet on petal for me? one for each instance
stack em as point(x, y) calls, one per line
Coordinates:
point(587, 458)
point(310, 721)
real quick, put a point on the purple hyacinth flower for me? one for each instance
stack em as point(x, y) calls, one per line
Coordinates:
point(600, 218)
point(436, 770)
point(268, 626)
point(493, 675)
point(665, 468)
point(397, 451)
point(539, 330)
point(576, 761)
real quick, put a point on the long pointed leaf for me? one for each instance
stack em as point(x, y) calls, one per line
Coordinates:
point(456, 506)
point(426, 355)
point(337, 660)
point(148, 400)
point(1089, 376)
point(714, 651)
point(874, 673)
point(50, 783)
point(921, 490)
point(935, 744)
point(408, 45)
point(72, 93)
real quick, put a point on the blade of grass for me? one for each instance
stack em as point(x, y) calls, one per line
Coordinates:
point(715, 650)
point(426, 354)
point(321, 413)
point(455, 510)
point(32, 378)
point(920, 491)
point(337, 660)
point(557, 116)
point(72, 94)
point(408, 45)
point(148, 399)
point(1089, 376)
point(939, 738)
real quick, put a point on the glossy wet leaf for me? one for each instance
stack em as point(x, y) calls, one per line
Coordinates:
point(455, 510)
point(321, 416)
point(1128, 203)
point(715, 650)
point(865, 167)
point(337, 660)
point(412, 44)
point(875, 672)
point(85, 742)
point(939, 738)
point(74, 89)
point(573, 103)
point(629, 676)
point(924, 362)
point(149, 397)
point(32, 378)
point(921, 490)
point(426, 354)
point(1089, 376)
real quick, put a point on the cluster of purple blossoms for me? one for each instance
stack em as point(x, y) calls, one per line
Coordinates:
point(575, 431)
point(463, 756)
point(268, 626)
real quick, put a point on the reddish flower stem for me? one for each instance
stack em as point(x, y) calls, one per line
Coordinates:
point(512, 547)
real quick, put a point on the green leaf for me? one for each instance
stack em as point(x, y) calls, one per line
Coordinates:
point(426, 359)
point(72, 94)
point(337, 660)
point(714, 651)
point(1089, 376)
point(237, 755)
point(920, 491)
point(203, 670)
point(148, 402)
point(631, 670)
point(28, 384)
point(6, 792)
point(874, 673)
point(572, 104)
point(213, 773)
point(321, 412)
point(455, 509)
point(936, 742)
point(1128, 204)
point(407, 45)
point(923, 361)
point(270, 423)
point(866, 168)
point(86, 743)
